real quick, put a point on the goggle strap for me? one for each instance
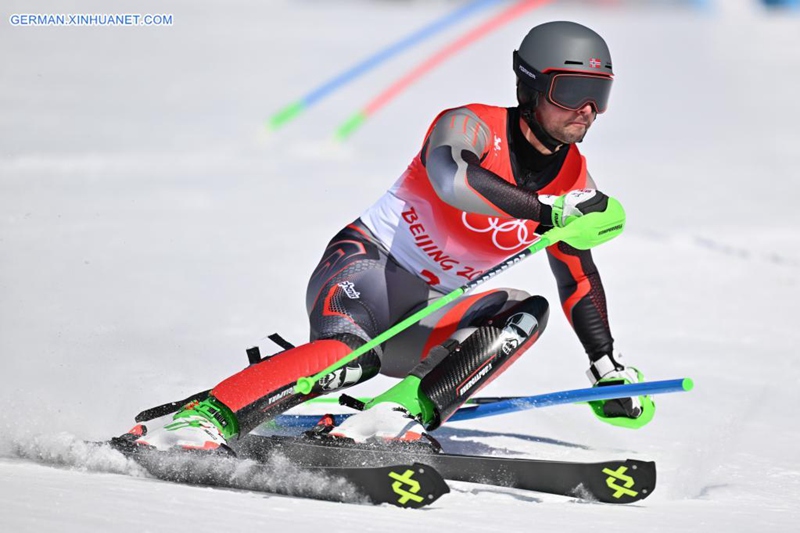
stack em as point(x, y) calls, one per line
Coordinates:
point(529, 75)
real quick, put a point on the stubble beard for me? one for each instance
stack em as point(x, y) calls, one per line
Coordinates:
point(566, 133)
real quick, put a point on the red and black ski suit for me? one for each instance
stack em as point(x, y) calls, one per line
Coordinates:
point(467, 201)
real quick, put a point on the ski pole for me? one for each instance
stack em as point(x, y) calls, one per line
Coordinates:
point(583, 233)
point(484, 407)
point(608, 392)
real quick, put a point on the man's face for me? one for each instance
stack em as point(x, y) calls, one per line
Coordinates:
point(565, 125)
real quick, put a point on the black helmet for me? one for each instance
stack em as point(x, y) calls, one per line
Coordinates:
point(566, 62)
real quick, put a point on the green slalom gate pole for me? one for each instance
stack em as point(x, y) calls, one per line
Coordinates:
point(582, 232)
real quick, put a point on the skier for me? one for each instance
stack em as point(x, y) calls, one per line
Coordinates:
point(486, 182)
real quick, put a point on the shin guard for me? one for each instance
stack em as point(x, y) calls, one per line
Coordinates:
point(483, 356)
point(266, 389)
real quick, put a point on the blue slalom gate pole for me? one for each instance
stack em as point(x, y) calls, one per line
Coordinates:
point(292, 110)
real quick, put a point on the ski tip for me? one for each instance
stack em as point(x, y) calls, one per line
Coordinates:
point(436, 486)
point(631, 481)
point(411, 486)
point(617, 482)
point(687, 384)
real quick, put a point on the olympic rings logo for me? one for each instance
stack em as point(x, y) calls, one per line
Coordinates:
point(508, 235)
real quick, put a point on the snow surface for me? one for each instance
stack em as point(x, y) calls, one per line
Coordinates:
point(150, 231)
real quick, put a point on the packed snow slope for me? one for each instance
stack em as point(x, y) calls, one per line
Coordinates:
point(150, 231)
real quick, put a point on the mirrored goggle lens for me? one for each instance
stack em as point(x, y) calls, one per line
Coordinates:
point(573, 91)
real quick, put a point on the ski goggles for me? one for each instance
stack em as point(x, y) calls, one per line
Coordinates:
point(567, 90)
point(573, 91)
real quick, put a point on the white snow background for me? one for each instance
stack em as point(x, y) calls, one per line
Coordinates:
point(150, 231)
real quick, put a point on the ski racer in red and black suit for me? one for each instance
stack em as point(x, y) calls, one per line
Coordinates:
point(486, 182)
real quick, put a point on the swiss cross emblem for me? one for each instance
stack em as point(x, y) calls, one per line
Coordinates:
point(595, 63)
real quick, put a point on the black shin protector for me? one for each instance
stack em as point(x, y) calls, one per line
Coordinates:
point(484, 355)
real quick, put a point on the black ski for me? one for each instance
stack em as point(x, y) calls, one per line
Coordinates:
point(624, 481)
point(411, 484)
